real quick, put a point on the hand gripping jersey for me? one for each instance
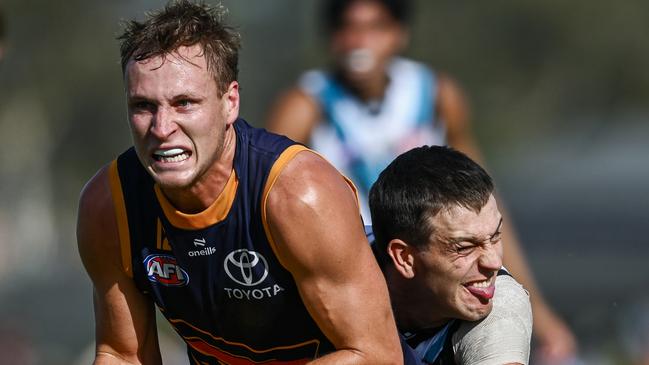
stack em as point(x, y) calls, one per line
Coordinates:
point(362, 138)
point(214, 275)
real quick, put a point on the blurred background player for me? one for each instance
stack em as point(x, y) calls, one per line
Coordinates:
point(373, 105)
point(442, 260)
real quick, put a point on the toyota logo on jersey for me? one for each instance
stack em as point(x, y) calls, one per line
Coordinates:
point(163, 269)
point(246, 267)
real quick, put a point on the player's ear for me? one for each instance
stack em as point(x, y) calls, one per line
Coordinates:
point(402, 258)
point(231, 96)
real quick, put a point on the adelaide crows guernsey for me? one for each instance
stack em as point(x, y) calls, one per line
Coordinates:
point(214, 275)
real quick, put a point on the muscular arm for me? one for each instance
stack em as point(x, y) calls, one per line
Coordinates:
point(554, 336)
point(125, 326)
point(294, 115)
point(314, 221)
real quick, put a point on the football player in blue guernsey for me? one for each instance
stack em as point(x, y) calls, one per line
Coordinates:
point(438, 233)
point(374, 104)
point(225, 228)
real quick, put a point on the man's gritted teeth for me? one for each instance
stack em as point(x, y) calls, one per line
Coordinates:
point(483, 289)
point(171, 155)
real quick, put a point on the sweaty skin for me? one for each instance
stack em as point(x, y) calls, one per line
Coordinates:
point(337, 275)
point(125, 329)
point(182, 130)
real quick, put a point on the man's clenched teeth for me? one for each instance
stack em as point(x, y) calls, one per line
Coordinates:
point(171, 155)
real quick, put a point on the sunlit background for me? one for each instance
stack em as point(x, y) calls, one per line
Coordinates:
point(559, 92)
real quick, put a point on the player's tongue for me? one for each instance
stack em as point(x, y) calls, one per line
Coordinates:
point(482, 289)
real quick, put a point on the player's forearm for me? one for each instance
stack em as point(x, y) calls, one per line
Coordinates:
point(515, 262)
point(514, 258)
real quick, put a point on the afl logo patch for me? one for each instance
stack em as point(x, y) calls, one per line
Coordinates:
point(163, 269)
point(246, 267)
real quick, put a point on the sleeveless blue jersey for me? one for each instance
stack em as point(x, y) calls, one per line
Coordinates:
point(216, 278)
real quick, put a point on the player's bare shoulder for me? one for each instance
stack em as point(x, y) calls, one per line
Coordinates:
point(97, 235)
point(310, 178)
point(308, 192)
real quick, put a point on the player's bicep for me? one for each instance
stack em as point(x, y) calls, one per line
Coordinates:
point(124, 318)
point(314, 219)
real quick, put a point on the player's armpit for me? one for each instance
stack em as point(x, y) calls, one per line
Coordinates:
point(124, 319)
point(314, 221)
point(295, 114)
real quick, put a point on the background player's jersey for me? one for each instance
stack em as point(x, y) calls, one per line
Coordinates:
point(214, 275)
point(362, 138)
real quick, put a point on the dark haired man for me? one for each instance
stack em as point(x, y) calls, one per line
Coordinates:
point(222, 226)
point(375, 105)
point(437, 234)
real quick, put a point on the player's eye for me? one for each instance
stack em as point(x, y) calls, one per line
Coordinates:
point(140, 106)
point(184, 103)
point(464, 249)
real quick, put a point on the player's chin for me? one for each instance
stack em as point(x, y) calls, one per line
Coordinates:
point(475, 312)
point(474, 309)
point(172, 179)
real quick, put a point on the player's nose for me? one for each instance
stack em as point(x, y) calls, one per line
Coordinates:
point(162, 123)
point(491, 258)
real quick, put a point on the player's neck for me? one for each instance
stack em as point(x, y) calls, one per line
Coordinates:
point(368, 89)
point(202, 193)
point(412, 311)
point(411, 319)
